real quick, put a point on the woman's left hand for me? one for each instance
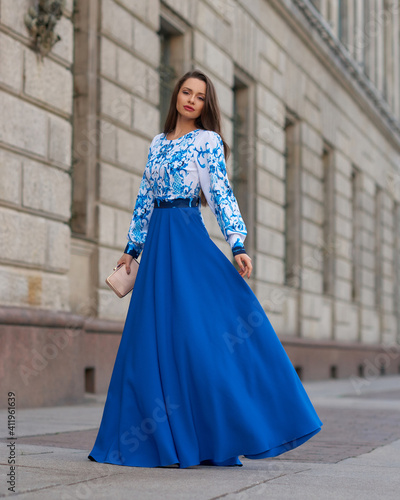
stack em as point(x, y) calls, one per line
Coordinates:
point(244, 263)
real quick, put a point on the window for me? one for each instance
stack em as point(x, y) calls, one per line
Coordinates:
point(396, 261)
point(378, 246)
point(388, 55)
point(328, 222)
point(174, 57)
point(343, 28)
point(243, 152)
point(292, 206)
point(356, 235)
point(85, 127)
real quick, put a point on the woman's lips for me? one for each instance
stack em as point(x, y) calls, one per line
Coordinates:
point(188, 108)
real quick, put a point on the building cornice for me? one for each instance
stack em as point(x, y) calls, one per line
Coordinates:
point(312, 28)
point(39, 318)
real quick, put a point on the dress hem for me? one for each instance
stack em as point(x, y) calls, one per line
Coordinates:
point(269, 453)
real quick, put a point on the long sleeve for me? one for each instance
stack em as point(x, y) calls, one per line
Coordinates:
point(215, 185)
point(141, 215)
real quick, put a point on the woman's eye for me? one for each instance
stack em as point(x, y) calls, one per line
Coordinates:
point(186, 92)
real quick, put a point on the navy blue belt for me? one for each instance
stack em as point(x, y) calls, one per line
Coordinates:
point(177, 202)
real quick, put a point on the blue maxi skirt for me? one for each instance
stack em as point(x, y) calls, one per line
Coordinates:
point(200, 376)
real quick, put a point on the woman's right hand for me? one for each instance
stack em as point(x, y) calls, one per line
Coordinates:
point(126, 259)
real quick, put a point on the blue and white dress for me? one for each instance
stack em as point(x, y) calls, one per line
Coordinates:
point(178, 168)
point(200, 376)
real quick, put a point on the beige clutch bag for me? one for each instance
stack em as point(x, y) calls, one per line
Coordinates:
point(120, 281)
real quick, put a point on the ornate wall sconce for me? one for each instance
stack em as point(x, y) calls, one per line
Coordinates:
point(41, 20)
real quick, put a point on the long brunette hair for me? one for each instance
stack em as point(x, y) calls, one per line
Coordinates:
point(210, 118)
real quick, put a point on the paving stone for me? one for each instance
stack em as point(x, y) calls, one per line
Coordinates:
point(356, 455)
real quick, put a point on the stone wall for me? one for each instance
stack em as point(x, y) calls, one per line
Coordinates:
point(74, 136)
point(35, 161)
point(129, 100)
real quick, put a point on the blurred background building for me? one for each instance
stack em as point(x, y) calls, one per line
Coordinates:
point(310, 96)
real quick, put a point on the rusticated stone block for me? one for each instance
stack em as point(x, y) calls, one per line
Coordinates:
point(48, 82)
point(10, 175)
point(23, 237)
point(115, 186)
point(116, 22)
point(23, 125)
point(58, 246)
point(11, 57)
point(46, 188)
point(60, 139)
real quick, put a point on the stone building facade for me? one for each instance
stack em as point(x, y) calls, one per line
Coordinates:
point(310, 97)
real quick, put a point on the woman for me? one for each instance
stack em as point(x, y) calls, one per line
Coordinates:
point(200, 376)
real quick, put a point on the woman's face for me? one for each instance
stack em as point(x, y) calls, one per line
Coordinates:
point(191, 98)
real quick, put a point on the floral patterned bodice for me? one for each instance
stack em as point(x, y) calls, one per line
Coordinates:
point(178, 168)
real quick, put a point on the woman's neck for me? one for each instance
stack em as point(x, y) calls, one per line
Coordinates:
point(182, 128)
point(176, 134)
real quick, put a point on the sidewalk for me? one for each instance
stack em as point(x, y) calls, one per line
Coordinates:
point(356, 455)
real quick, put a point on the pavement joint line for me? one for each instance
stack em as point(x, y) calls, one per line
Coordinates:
point(372, 422)
point(21, 466)
point(50, 486)
point(259, 483)
point(3, 439)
